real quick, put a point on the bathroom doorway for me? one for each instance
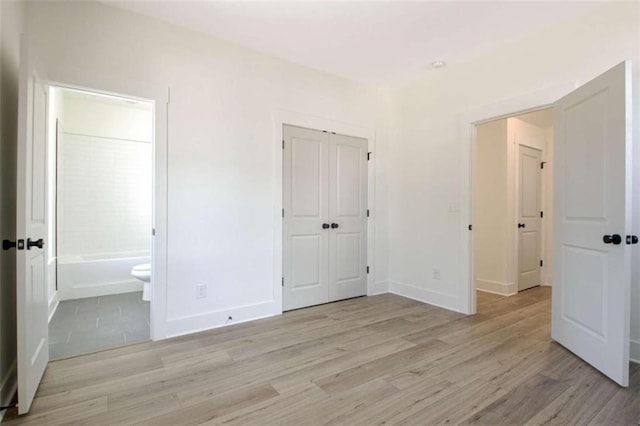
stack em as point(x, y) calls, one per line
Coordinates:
point(100, 204)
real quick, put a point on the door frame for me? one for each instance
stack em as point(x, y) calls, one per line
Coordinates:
point(77, 79)
point(522, 104)
point(280, 118)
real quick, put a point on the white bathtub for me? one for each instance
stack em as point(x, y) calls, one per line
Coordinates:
point(98, 275)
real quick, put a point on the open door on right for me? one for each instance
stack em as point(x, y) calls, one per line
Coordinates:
point(592, 220)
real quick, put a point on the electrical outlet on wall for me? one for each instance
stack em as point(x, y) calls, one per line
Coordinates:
point(201, 291)
point(436, 273)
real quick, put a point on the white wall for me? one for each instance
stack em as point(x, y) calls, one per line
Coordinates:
point(221, 151)
point(107, 116)
point(104, 179)
point(492, 243)
point(11, 24)
point(426, 159)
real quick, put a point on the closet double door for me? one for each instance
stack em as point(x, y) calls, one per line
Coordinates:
point(324, 217)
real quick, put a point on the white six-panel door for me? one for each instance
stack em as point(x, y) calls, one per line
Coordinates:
point(31, 224)
point(324, 217)
point(529, 202)
point(592, 202)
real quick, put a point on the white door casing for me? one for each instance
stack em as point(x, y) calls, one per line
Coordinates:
point(31, 224)
point(348, 211)
point(592, 198)
point(325, 217)
point(529, 208)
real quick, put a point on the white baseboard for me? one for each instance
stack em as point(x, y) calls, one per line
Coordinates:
point(442, 300)
point(496, 287)
point(8, 388)
point(99, 289)
point(180, 326)
point(53, 305)
point(195, 323)
point(634, 356)
point(380, 287)
point(494, 292)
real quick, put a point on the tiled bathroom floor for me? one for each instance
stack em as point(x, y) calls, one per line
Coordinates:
point(96, 323)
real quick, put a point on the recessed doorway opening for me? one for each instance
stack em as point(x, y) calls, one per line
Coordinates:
point(100, 198)
point(512, 204)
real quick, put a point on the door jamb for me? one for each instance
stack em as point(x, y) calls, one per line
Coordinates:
point(280, 118)
point(527, 102)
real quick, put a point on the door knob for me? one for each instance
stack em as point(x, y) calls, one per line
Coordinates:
point(521, 225)
point(8, 244)
point(612, 239)
point(38, 243)
point(325, 226)
point(334, 225)
point(632, 239)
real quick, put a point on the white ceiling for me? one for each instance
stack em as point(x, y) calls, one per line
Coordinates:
point(386, 43)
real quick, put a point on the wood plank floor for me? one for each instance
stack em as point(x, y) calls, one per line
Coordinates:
point(371, 360)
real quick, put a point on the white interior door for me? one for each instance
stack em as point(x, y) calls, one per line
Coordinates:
point(348, 213)
point(324, 217)
point(529, 202)
point(305, 218)
point(592, 204)
point(31, 226)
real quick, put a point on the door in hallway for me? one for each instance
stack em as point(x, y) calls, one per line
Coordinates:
point(529, 202)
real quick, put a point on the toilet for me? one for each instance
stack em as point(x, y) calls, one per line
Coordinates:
point(143, 273)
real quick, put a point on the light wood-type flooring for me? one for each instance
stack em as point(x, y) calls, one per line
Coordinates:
point(370, 360)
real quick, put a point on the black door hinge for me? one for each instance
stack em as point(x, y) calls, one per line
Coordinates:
point(282, 281)
point(470, 227)
point(282, 143)
point(368, 213)
point(541, 214)
point(542, 164)
point(368, 156)
point(541, 263)
point(367, 269)
point(282, 212)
